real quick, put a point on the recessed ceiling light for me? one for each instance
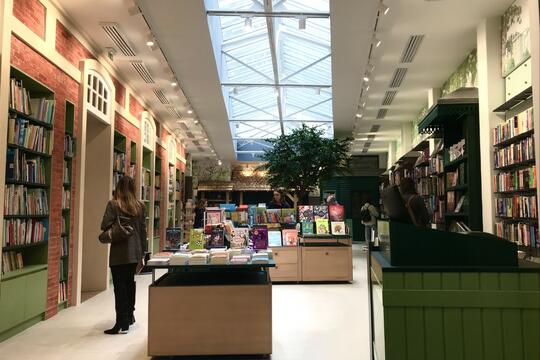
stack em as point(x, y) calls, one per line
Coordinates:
point(358, 115)
point(190, 111)
point(196, 122)
point(219, 162)
point(384, 8)
point(205, 139)
point(376, 41)
point(150, 43)
point(366, 78)
point(174, 84)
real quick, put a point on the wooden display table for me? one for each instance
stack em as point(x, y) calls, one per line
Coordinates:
point(318, 258)
point(211, 310)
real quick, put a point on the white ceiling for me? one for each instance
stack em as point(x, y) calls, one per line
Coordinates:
point(182, 32)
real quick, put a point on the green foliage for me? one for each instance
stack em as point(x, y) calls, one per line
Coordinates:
point(299, 161)
point(464, 76)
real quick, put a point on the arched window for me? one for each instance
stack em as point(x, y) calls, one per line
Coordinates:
point(97, 94)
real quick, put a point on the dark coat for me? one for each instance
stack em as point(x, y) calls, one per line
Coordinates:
point(132, 250)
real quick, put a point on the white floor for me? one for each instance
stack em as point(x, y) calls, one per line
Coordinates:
point(315, 322)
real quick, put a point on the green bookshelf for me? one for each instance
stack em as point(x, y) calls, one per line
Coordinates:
point(119, 157)
point(23, 282)
point(157, 202)
point(146, 189)
point(457, 120)
point(132, 158)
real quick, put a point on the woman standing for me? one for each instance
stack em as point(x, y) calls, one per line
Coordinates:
point(125, 255)
point(200, 208)
point(368, 214)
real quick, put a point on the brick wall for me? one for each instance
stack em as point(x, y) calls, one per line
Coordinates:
point(32, 14)
point(69, 46)
point(162, 153)
point(120, 95)
point(64, 88)
point(132, 133)
point(135, 107)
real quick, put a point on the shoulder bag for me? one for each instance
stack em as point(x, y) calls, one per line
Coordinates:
point(120, 230)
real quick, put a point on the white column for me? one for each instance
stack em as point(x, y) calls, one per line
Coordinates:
point(490, 95)
point(434, 94)
point(391, 154)
point(406, 138)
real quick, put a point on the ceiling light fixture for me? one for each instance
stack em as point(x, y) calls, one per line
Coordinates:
point(174, 84)
point(276, 92)
point(384, 8)
point(366, 78)
point(376, 41)
point(302, 23)
point(196, 122)
point(317, 91)
point(219, 162)
point(150, 43)
point(190, 111)
point(359, 115)
point(248, 23)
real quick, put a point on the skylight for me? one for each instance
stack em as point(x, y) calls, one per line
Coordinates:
point(274, 61)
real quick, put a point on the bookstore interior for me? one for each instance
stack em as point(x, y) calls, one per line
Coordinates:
point(425, 247)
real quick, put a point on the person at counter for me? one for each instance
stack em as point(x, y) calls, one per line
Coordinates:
point(414, 203)
point(278, 202)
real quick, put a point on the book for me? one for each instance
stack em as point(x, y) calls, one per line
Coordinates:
point(213, 217)
point(338, 228)
point(216, 239)
point(336, 213)
point(305, 213)
point(196, 239)
point(308, 227)
point(320, 212)
point(239, 238)
point(321, 226)
point(274, 238)
point(288, 216)
point(460, 203)
point(273, 216)
point(290, 237)
point(259, 237)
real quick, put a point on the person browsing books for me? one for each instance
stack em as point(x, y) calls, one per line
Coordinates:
point(125, 254)
point(278, 202)
point(200, 208)
point(368, 214)
point(414, 203)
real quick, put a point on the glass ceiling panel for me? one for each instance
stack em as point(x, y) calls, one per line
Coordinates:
point(274, 87)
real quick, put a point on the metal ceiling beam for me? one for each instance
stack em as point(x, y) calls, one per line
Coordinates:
point(251, 106)
point(285, 120)
point(306, 67)
point(246, 65)
point(278, 85)
point(268, 13)
point(269, 132)
point(310, 107)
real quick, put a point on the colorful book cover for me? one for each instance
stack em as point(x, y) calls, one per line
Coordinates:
point(239, 238)
point(290, 237)
point(338, 228)
point(322, 226)
point(288, 216)
point(259, 237)
point(336, 213)
point(261, 216)
point(307, 227)
point(305, 213)
point(216, 239)
point(196, 239)
point(320, 212)
point(252, 214)
point(213, 217)
point(273, 216)
point(274, 238)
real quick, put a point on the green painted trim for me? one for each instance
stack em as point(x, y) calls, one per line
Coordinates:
point(21, 327)
point(27, 270)
point(462, 299)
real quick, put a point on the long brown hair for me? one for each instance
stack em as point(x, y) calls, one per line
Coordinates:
point(124, 195)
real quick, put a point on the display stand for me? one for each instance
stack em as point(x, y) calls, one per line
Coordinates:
point(205, 310)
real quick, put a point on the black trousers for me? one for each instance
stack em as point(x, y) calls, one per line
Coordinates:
point(124, 290)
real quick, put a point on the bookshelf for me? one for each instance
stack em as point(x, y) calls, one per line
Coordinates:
point(171, 194)
point(157, 202)
point(132, 158)
point(26, 219)
point(119, 157)
point(514, 174)
point(178, 198)
point(147, 188)
point(457, 161)
point(65, 231)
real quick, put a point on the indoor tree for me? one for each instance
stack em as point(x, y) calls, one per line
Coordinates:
point(299, 161)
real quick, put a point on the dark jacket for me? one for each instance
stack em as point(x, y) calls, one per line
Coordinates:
point(132, 250)
point(199, 218)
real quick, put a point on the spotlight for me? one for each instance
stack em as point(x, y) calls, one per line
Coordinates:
point(190, 111)
point(196, 122)
point(384, 8)
point(358, 115)
point(302, 23)
point(248, 23)
point(174, 84)
point(366, 78)
point(150, 43)
point(375, 41)
point(219, 162)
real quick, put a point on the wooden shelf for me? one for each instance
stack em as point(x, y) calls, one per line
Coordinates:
point(118, 150)
point(518, 191)
point(516, 165)
point(516, 100)
point(31, 119)
point(28, 269)
point(457, 188)
point(68, 157)
point(456, 162)
point(458, 214)
point(26, 183)
point(514, 139)
point(514, 219)
point(28, 151)
point(26, 216)
point(24, 246)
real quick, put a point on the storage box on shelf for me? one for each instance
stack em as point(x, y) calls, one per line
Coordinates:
point(514, 181)
point(23, 283)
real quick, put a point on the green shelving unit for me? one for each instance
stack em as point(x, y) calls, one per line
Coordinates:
point(456, 120)
point(146, 190)
point(119, 157)
point(157, 203)
point(132, 158)
point(23, 287)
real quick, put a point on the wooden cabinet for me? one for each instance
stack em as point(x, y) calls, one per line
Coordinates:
point(326, 263)
point(287, 261)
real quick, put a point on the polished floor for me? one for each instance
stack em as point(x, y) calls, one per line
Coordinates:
point(315, 322)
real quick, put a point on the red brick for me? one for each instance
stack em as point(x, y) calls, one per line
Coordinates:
point(135, 107)
point(120, 95)
point(32, 14)
point(69, 46)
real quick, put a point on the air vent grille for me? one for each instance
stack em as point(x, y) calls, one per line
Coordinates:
point(183, 126)
point(411, 48)
point(397, 79)
point(142, 71)
point(374, 128)
point(389, 97)
point(173, 112)
point(196, 142)
point(118, 38)
point(382, 113)
point(190, 135)
point(200, 149)
point(371, 137)
point(161, 96)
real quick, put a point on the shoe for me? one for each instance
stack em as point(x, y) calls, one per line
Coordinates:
point(117, 329)
point(132, 319)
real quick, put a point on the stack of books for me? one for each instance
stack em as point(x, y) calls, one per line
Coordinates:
point(199, 258)
point(180, 258)
point(219, 257)
point(240, 259)
point(159, 259)
point(259, 258)
point(33, 137)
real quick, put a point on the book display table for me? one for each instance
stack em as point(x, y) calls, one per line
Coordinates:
point(210, 310)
